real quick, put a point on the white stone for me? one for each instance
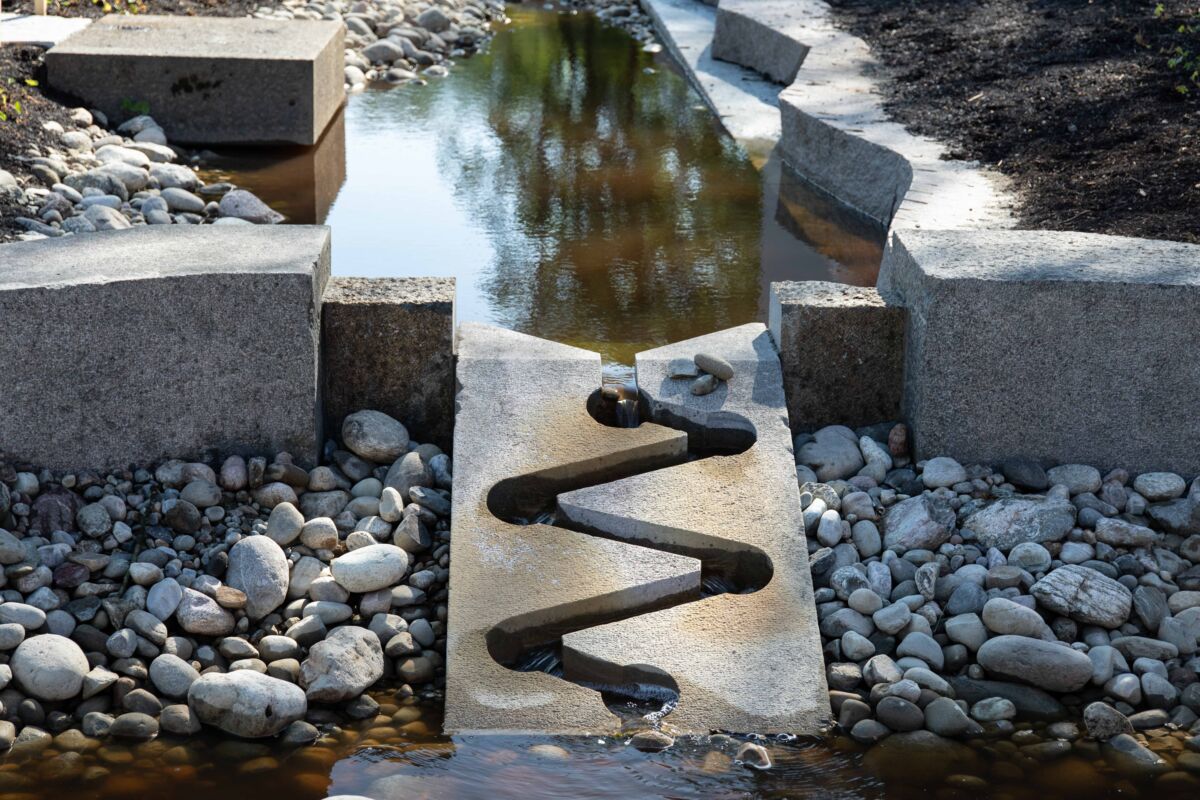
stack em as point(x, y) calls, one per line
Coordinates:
point(366, 569)
point(343, 666)
point(258, 567)
point(247, 703)
point(49, 667)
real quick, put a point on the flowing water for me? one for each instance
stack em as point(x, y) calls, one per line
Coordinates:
point(576, 186)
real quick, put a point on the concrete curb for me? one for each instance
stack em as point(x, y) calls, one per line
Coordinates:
point(831, 126)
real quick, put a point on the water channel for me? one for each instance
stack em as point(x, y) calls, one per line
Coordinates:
point(576, 186)
point(579, 190)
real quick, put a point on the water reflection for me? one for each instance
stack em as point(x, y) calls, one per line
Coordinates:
point(575, 185)
point(401, 755)
point(300, 182)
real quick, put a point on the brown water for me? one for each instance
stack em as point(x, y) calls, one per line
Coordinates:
point(575, 185)
point(401, 755)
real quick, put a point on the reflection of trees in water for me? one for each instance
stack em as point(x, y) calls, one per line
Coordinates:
point(617, 212)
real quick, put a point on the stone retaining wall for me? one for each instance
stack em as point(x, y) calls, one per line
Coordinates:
point(828, 118)
point(842, 350)
point(1060, 347)
point(161, 342)
point(137, 346)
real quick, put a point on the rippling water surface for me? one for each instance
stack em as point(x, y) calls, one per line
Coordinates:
point(575, 185)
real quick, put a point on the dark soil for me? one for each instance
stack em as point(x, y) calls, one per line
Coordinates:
point(26, 108)
point(1072, 99)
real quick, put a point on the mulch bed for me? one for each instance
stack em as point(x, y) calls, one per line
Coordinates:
point(26, 108)
point(1073, 100)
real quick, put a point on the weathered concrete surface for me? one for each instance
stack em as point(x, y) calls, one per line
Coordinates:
point(522, 414)
point(829, 121)
point(742, 662)
point(756, 34)
point(40, 30)
point(388, 344)
point(208, 79)
point(842, 351)
point(139, 345)
point(1063, 347)
point(745, 102)
point(836, 134)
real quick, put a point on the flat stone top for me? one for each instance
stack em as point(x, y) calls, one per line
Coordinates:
point(1036, 256)
point(155, 251)
point(202, 38)
point(390, 291)
point(784, 16)
point(487, 343)
point(826, 294)
point(40, 30)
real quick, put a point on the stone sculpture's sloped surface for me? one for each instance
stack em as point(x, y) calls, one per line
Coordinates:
point(746, 662)
point(522, 411)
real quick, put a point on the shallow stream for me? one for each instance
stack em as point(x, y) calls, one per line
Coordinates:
point(574, 184)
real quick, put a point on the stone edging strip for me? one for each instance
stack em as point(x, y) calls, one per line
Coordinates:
point(831, 125)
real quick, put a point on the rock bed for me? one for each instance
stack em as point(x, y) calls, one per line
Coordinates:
point(1007, 603)
point(261, 599)
point(396, 42)
point(97, 180)
point(628, 16)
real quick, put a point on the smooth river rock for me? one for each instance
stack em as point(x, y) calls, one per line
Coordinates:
point(198, 613)
point(347, 663)
point(49, 667)
point(923, 522)
point(375, 436)
point(1084, 595)
point(258, 567)
point(1046, 665)
point(247, 703)
point(1014, 520)
point(367, 569)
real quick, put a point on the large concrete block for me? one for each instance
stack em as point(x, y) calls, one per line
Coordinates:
point(388, 344)
point(208, 79)
point(160, 342)
point(641, 515)
point(523, 430)
point(748, 659)
point(1064, 347)
point(763, 35)
point(842, 350)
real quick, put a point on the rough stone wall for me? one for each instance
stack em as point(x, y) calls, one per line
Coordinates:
point(161, 342)
point(842, 352)
point(1060, 347)
point(388, 344)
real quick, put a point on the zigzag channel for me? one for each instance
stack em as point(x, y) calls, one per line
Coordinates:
point(530, 642)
